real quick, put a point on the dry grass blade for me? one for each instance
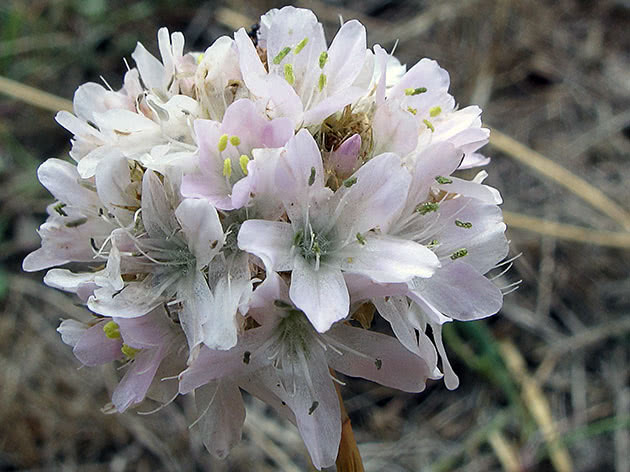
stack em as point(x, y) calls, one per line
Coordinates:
point(504, 451)
point(562, 176)
point(567, 232)
point(33, 96)
point(538, 406)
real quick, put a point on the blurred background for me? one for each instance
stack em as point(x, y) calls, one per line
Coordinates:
point(544, 384)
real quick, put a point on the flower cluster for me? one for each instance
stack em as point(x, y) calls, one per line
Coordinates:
point(234, 217)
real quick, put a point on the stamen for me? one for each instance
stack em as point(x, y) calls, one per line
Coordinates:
point(361, 239)
point(350, 181)
point(200, 58)
point(111, 330)
point(235, 140)
point(322, 82)
point(413, 111)
point(227, 167)
point(427, 207)
point(459, 253)
point(323, 58)
point(223, 140)
point(288, 74)
point(76, 223)
point(443, 180)
point(463, 224)
point(300, 46)
point(435, 111)
point(429, 125)
point(59, 209)
point(415, 91)
point(243, 161)
point(129, 351)
point(281, 55)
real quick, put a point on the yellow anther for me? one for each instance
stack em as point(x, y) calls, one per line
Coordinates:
point(322, 82)
point(288, 74)
point(223, 140)
point(111, 330)
point(281, 55)
point(415, 91)
point(413, 111)
point(243, 161)
point(323, 58)
point(235, 140)
point(227, 167)
point(429, 125)
point(200, 58)
point(129, 351)
point(300, 46)
point(435, 111)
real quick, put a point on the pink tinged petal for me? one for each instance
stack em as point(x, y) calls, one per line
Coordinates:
point(259, 185)
point(425, 313)
point(94, 348)
point(231, 291)
point(261, 303)
point(363, 288)
point(136, 299)
point(270, 240)
point(375, 198)
point(285, 101)
point(88, 164)
point(426, 73)
point(67, 239)
point(438, 160)
point(63, 181)
point(134, 385)
point(473, 160)
point(332, 104)
point(89, 98)
point(470, 139)
point(222, 416)
point(381, 61)
point(252, 384)
point(484, 239)
point(197, 301)
point(255, 130)
point(113, 185)
point(314, 403)
point(461, 292)
point(63, 279)
point(151, 69)
point(376, 357)
point(394, 129)
point(344, 159)
point(451, 380)
point(409, 332)
point(71, 331)
point(210, 364)
point(472, 189)
point(320, 293)
point(157, 213)
point(151, 330)
point(346, 55)
point(387, 259)
point(300, 171)
point(201, 225)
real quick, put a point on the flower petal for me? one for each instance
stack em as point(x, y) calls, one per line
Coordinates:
point(376, 357)
point(320, 293)
point(270, 240)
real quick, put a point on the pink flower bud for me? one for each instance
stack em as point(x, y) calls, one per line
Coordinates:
point(344, 159)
